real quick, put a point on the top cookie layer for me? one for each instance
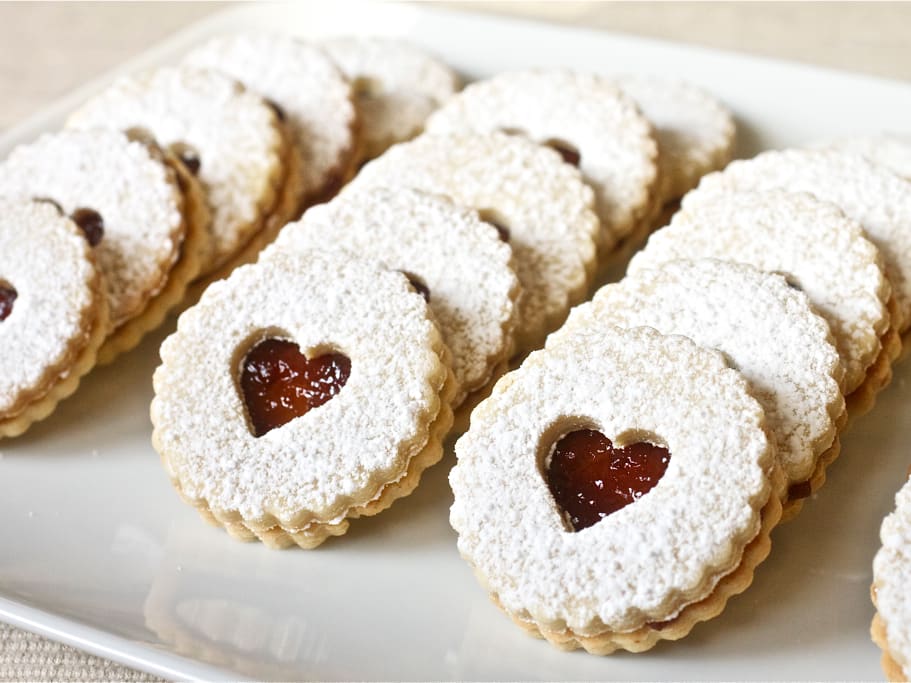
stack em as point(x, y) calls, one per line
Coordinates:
point(336, 456)
point(617, 149)
point(461, 260)
point(308, 87)
point(234, 133)
point(811, 242)
point(47, 261)
point(541, 201)
point(396, 85)
point(132, 189)
point(654, 556)
point(872, 195)
point(695, 132)
point(892, 576)
point(765, 328)
point(886, 149)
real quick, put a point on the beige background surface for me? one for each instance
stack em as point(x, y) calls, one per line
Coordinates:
point(47, 49)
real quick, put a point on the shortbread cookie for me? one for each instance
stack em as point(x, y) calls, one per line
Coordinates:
point(231, 139)
point(600, 546)
point(815, 246)
point(456, 260)
point(53, 311)
point(872, 195)
point(396, 87)
point(542, 205)
point(585, 117)
point(302, 391)
point(891, 150)
point(147, 224)
point(766, 329)
point(891, 628)
point(695, 132)
point(310, 92)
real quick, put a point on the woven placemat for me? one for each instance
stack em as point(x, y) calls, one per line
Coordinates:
point(27, 657)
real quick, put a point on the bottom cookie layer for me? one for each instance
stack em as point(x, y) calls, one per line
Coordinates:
point(891, 668)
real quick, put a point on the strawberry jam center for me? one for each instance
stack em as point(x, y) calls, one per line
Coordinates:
point(591, 478)
point(280, 383)
point(91, 223)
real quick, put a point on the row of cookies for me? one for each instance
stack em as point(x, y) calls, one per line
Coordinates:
point(178, 174)
point(492, 293)
point(789, 267)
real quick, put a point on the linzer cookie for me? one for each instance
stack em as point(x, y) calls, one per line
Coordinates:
point(615, 493)
point(891, 627)
point(458, 262)
point(765, 328)
point(144, 216)
point(396, 87)
point(301, 392)
point(817, 248)
point(695, 132)
point(53, 311)
point(586, 118)
point(891, 150)
point(542, 206)
point(312, 95)
point(231, 139)
point(872, 195)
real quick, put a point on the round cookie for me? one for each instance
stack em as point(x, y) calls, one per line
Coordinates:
point(543, 205)
point(53, 311)
point(302, 391)
point(229, 138)
point(872, 195)
point(146, 218)
point(765, 328)
point(599, 128)
point(457, 260)
point(815, 246)
point(311, 93)
point(396, 87)
point(891, 150)
point(695, 132)
point(600, 546)
point(891, 627)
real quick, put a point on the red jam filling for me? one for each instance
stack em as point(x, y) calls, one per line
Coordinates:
point(91, 223)
point(418, 285)
point(590, 478)
point(280, 383)
point(7, 297)
point(569, 153)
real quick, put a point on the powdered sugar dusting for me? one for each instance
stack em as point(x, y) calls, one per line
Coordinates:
point(765, 328)
point(46, 259)
point(695, 132)
point(234, 132)
point(397, 87)
point(892, 576)
point(811, 242)
point(316, 466)
point(650, 558)
point(305, 83)
point(541, 200)
point(617, 148)
point(891, 150)
point(462, 261)
point(134, 192)
point(872, 195)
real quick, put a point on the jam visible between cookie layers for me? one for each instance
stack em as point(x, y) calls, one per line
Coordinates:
point(91, 223)
point(569, 153)
point(7, 297)
point(590, 478)
point(418, 285)
point(280, 383)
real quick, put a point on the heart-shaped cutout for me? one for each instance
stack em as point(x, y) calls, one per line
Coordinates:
point(591, 478)
point(280, 383)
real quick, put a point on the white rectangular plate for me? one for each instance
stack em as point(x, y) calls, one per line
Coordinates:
point(98, 551)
